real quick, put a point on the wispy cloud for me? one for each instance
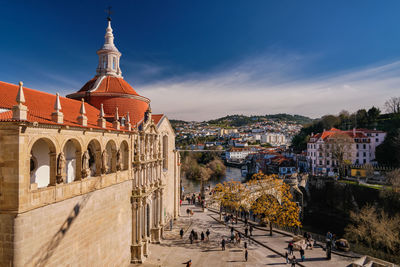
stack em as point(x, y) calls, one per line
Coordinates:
point(271, 84)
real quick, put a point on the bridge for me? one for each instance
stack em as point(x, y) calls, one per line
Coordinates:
point(199, 150)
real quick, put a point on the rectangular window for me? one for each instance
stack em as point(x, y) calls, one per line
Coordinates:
point(365, 161)
point(377, 140)
point(364, 146)
point(114, 63)
point(364, 154)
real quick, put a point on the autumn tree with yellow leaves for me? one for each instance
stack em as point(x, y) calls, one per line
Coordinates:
point(266, 195)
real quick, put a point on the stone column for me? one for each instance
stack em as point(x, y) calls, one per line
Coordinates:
point(156, 231)
point(137, 246)
point(145, 238)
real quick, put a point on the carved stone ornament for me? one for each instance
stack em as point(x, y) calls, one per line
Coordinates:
point(119, 160)
point(104, 162)
point(60, 168)
point(85, 164)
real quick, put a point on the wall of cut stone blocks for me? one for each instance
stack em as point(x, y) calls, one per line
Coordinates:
point(6, 239)
point(88, 230)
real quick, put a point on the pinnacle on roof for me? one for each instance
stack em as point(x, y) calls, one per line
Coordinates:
point(82, 111)
point(57, 115)
point(57, 104)
point(116, 123)
point(20, 96)
point(102, 114)
point(20, 111)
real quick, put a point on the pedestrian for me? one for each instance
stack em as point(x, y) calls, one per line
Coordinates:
point(181, 233)
point(245, 245)
point(202, 236)
point(208, 234)
point(302, 254)
point(192, 232)
point(191, 238)
point(246, 254)
point(223, 244)
point(251, 230)
point(188, 263)
point(287, 257)
point(294, 261)
point(245, 220)
point(232, 237)
point(180, 202)
point(187, 212)
point(246, 231)
point(290, 248)
point(231, 230)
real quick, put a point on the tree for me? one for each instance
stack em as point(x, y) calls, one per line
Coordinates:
point(362, 118)
point(271, 199)
point(388, 153)
point(373, 115)
point(231, 195)
point(342, 149)
point(374, 229)
point(393, 178)
point(392, 105)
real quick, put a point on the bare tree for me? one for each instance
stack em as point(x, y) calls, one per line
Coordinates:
point(393, 178)
point(342, 149)
point(392, 105)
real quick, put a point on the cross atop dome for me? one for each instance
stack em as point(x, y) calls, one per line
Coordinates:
point(108, 54)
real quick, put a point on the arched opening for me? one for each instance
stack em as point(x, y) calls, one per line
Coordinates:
point(111, 162)
point(42, 163)
point(124, 150)
point(165, 152)
point(94, 162)
point(72, 152)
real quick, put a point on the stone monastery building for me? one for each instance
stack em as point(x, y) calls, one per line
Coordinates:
point(87, 180)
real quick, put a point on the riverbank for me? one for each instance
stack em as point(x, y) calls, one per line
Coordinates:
point(193, 186)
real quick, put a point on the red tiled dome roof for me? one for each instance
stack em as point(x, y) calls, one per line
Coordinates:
point(108, 84)
point(113, 92)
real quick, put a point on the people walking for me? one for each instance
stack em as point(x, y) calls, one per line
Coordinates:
point(294, 261)
point(223, 244)
point(290, 248)
point(202, 236)
point(302, 254)
point(191, 238)
point(287, 257)
point(245, 245)
point(208, 234)
point(251, 230)
point(246, 254)
point(181, 233)
point(246, 231)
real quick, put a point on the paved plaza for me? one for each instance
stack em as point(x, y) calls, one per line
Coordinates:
point(174, 251)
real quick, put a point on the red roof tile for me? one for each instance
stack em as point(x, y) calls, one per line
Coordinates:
point(41, 106)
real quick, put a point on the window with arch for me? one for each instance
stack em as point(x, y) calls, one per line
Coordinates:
point(165, 152)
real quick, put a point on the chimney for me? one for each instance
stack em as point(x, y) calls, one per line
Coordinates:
point(20, 111)
point(57, 116)
point(82, 119)
point(116, 123)
point(101, 121)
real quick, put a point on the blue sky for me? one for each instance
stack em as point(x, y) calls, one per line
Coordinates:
point(198, 60)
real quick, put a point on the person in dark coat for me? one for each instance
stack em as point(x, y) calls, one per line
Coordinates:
point(251, 229)
point(246, 254)
point(302, 254)
point(208, 234)
point(246, 231)
point(223, 244)
point(181, 233)
point(245, 245)
point(202, 236)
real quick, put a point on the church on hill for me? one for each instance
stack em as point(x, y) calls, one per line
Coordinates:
point(85, 180)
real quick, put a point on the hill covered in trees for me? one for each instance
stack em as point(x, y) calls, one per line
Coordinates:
point(241, 120)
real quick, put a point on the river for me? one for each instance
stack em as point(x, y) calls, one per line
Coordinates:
point(192, 186)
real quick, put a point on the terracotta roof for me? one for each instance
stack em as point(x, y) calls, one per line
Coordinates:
point(157, 118)
point(41, 106)
point(108, 84)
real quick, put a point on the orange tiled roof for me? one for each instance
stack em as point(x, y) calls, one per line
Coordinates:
point(109, 84)
point(157, 118)
point(41, 106)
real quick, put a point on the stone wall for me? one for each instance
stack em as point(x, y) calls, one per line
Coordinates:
point(94, 229)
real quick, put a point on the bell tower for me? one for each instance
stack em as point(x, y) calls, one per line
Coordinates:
point(108, 54)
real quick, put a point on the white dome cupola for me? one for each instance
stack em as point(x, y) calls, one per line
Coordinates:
point(109, 55)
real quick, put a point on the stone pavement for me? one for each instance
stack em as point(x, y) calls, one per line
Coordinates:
point(174, 251)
